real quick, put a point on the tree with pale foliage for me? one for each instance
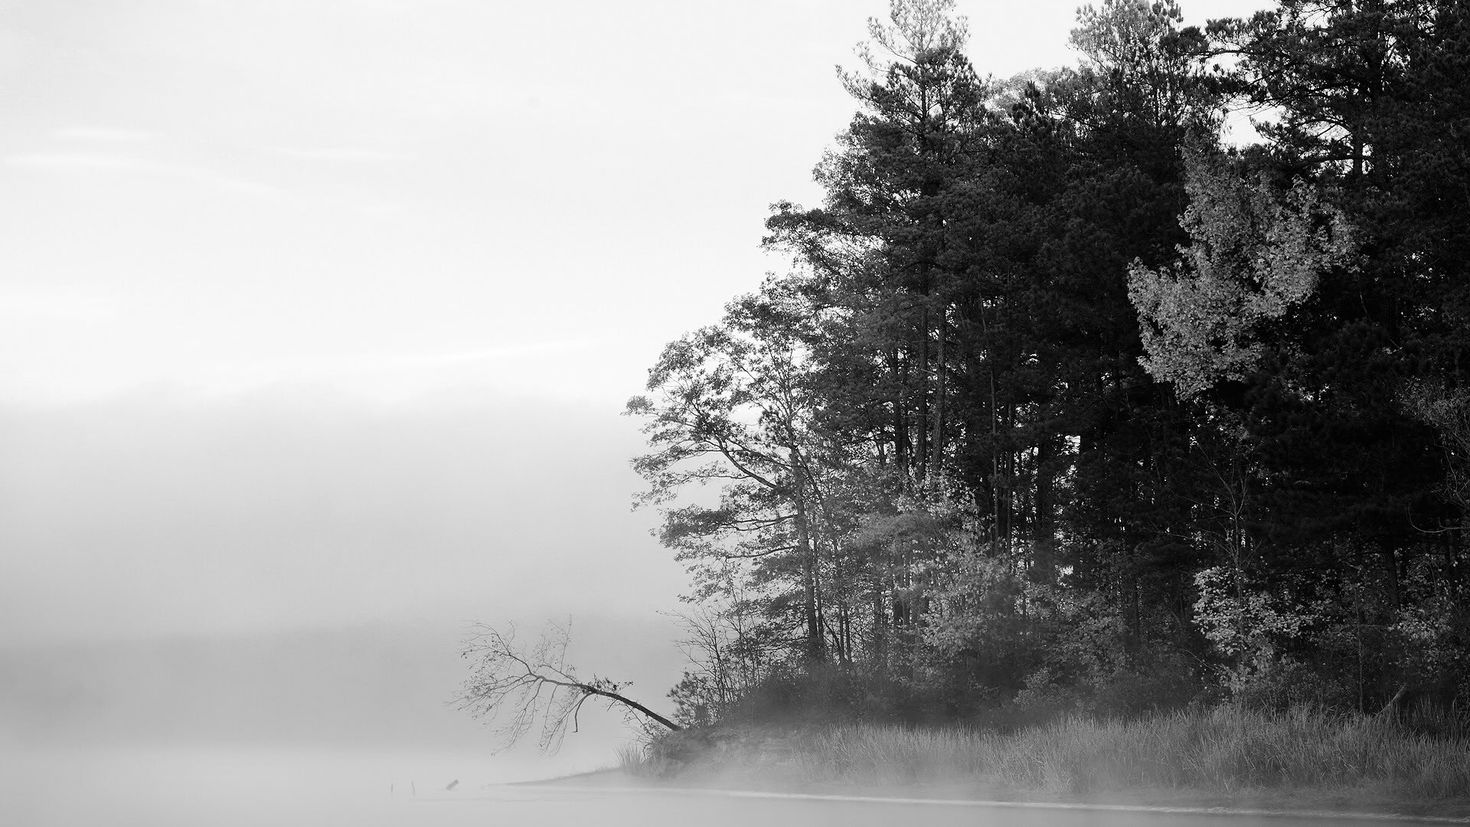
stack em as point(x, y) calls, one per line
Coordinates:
point(1254, 255)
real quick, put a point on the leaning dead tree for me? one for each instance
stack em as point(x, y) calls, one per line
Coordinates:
point(520, 689)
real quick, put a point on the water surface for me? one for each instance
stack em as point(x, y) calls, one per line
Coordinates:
point(201, 787)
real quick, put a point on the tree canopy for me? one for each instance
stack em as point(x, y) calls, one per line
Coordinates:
point(1066, 402)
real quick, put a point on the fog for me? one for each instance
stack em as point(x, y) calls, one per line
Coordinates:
point(262, 595)
point(315, 324)
point(143, 517)
point(162, 788)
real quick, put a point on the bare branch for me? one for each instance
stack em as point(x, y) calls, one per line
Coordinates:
point(519, 690)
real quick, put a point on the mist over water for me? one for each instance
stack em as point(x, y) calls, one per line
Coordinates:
point(168, 786)
point(226, 785)
point(326, 726)
point(250, 610)
point(309, 359)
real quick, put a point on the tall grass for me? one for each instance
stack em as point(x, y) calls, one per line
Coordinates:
point(1227, 750)
point(634, 760)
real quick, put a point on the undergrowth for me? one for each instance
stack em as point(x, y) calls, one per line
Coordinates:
point(1226, 750)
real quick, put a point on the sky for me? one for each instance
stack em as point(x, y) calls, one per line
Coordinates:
point(321, 315)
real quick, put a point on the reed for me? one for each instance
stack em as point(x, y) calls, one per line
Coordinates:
point(1227, 750)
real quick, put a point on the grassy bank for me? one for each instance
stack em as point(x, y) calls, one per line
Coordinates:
point(1302, 758)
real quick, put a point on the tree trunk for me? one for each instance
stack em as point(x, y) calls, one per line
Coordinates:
point(936, 441)
point(631, 704)
point(1043, 535)
point(815, 642)
point(922, 420)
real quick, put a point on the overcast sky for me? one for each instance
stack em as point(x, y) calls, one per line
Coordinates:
point(323, 313)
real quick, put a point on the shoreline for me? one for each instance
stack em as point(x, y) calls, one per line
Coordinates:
point(1302, 762)
point(1228, 758)
point(567, 780)
point(1174, 802)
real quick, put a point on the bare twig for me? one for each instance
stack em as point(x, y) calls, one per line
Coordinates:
point(521, 689)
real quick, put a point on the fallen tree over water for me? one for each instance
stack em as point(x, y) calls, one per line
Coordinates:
point(524, 688)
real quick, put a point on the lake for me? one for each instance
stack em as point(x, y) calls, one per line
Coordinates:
point(201, 787)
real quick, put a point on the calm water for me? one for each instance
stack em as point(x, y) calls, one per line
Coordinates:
point(159, 787)
point(199, 786)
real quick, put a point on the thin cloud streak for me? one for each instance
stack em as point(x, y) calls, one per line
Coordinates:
point(86, 161)
point(362, 366)
point(345, 154)
point(509, 371)
point(54, 304)
point(105, 134)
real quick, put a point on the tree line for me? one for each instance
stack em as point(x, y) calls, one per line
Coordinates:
point(1067, 402)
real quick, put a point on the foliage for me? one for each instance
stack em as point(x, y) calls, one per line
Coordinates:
point(1253, 257)
point(1064, 407)
point(1241, 621)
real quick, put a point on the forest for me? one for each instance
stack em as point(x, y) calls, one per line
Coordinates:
point(1110, 389)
